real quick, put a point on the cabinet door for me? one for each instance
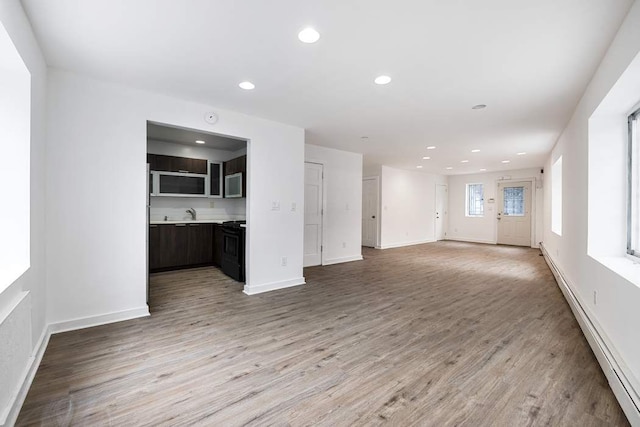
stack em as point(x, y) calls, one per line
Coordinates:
point(215, 177)
point(173, 244)
point(154, 247)
point(218, 242)
point(200, 248)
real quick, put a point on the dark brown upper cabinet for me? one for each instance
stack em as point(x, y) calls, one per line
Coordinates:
point(238, 165)
point(159, 162)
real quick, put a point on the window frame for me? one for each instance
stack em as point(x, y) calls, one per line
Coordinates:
point(467, 205)
point(634, 117)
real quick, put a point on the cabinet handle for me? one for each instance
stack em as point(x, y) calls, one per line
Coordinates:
point(183, 171)
point(153, 226)
point(181, 225)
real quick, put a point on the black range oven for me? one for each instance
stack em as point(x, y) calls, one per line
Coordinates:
point(233, 247)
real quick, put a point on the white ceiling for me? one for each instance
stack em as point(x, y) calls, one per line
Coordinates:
point(159, 132)
point(529, 61)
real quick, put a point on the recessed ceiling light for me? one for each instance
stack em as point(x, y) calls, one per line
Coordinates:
point(448, 168)
point(506, 161)
point(522, 153)
point(479, 107)
point(419, 167)
point(308, 35)
point(199, 141)
point(247, 85)
point(482, 170)
point(475, 151)
point(464, 161)
point(431, 147)
point(426, 158)
point(382, 80)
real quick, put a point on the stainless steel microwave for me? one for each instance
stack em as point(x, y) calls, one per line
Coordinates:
point(179, 184)
point(233, 185)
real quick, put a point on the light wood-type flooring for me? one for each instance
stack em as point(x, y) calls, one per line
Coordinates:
point(440, 334)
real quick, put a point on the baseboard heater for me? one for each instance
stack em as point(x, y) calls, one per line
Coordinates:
point(627, 396)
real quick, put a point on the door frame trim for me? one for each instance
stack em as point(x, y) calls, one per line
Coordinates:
point(534, 189)
point(376, 178)
point(323, 219)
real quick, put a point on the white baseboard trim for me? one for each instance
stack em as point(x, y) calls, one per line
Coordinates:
point(343, 259)
point(470, 240)
point(266, 287)
point(29, 375)
point(623, 389)
point(102, 319)
point(402, 244)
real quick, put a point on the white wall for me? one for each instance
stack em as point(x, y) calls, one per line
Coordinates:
point(96, 178)
point(206, 208)
point(342, 222)
point(484, 229)
point(615, 313)
point(27, 329)
point(407, 200)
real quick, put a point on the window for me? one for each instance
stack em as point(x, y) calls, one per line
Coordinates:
point(475, 200)
point(513, 201)
point(556, 197)
point(15, 141)
point(633, 197)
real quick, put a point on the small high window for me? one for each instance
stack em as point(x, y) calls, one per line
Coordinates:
point(556, 197)
point(475, 200)
point(633, 196)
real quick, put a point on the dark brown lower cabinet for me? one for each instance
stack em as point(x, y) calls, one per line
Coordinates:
point(179, 245)
point(218, 241)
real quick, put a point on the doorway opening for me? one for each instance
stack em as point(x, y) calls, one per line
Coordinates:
point(196, 209)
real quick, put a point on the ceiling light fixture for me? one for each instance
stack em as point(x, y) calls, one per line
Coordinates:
point(479, 107)
point(199, 141)
point(482, 170)
point(506, 161)
point(419, 167)
point(448, 168)
point(426, 158)
point(382, 80)
point(464, 161)
point(308, 35)
point(475, 151)
point(247, 85)
point(522, 153)
point(431, 147)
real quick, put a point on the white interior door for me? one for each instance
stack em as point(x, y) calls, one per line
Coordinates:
point(313, 178)
point(370, 212)
point(514, 213)
point(442, 200)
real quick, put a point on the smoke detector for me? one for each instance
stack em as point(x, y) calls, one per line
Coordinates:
point(211, 118)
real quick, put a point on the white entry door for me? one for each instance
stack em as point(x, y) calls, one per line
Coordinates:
point(313, 178)
point(442, 200)
point(370, 212)
point(514, 213)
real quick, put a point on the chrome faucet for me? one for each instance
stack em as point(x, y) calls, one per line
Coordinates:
point(192, 212)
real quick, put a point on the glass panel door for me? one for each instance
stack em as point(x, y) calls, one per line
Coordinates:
point(513, 201)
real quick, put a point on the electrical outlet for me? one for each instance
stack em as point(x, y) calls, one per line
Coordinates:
point(344, 244)
point(595, 297)
point(211, 203)
point(284, 261)
point(275, 205)
point(293, 206)
point(346, 208)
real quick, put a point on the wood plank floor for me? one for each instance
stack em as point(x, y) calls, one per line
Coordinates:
point(439, 334)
